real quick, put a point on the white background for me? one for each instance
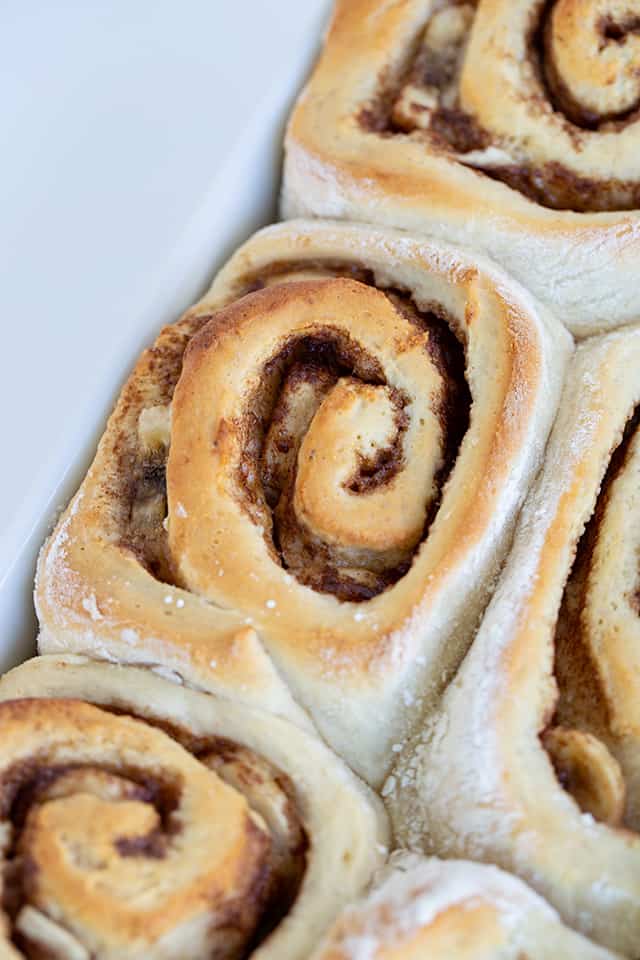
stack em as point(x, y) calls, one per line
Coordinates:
point(140, 144)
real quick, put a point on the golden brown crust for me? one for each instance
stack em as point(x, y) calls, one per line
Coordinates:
point(418, 112)
point(360, 561)
point(158, 822)
point(445, 909)
point(106, 569)
point(542, 717)
point(120, 834)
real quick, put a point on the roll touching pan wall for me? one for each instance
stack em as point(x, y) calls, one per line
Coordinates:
point(309, 482)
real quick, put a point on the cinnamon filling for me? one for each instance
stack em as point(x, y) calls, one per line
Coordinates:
point(618, 31)
point(27, 788)
point(558, 93)
point(141, 455)
point(422, 101)
point(584, 751)
point(293, 387)
point(295, 384)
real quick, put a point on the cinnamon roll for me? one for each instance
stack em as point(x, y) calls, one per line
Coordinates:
point(510, 126)
point(309, 482)
point(452, 910)
point(142, 819)
point(533, 759)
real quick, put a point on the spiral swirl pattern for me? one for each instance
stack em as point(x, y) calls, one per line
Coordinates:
point(509, 126)
point(568, 116)
point(121, 838)
point(593, 51)
point(545, 711)
point(323, 461)
point(146, 824)
point(561, 121)
point(355, 394)
point(597, 633)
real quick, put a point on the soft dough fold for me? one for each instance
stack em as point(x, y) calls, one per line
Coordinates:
point(141, 819)
point(533, 760)
point(509, 126)
point(452, 910)
point(309, 482)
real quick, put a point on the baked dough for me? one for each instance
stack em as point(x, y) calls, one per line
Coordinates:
point(452, 910)
point(533, 760)
point(141, 819)
point(309, 505)
point(510, 126)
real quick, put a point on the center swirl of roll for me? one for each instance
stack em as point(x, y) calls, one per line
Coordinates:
point(116, 838)
point(543, 95)
point(327, 431)
point(593, 58)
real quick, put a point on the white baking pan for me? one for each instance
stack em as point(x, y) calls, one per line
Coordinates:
point(141, 143)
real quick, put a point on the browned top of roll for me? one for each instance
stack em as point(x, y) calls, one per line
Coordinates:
point(116, 837)
point(319, 461)
point(141, 818)
point(543, 97)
